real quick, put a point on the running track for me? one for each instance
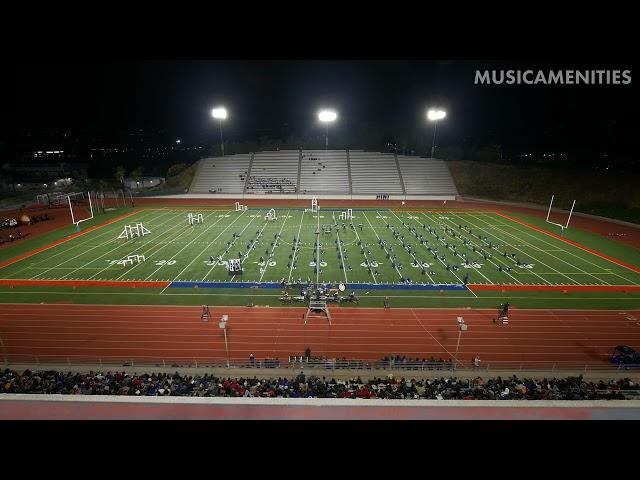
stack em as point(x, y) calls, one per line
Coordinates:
point(114, 334)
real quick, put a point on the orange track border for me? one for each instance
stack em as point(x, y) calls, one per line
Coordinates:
point(31, 253)
point(571, 242)
point(557, 288)
point(82, 283)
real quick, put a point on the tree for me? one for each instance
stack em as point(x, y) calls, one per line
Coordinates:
point(176, 169)
point(119, 173)
point(137, 174)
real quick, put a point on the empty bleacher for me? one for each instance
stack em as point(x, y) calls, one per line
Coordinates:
point(221, 174)
point(274, 172)
point(324, 172)
point(426, 176)
point(374, 173)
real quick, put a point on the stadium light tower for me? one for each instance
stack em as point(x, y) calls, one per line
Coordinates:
point(435, 115)
point(221, 114)
point(327, 117)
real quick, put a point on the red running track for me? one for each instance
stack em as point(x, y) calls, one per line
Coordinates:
point(114, 334)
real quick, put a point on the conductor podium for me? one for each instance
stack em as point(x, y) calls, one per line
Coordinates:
point(318, 305)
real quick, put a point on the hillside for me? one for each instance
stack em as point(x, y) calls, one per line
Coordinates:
point(608, 194)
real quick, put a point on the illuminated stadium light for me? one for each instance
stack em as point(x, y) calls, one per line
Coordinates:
point(221, 114)
point(433, 115)
point(326, 117)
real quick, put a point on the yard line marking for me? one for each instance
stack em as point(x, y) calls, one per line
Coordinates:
point(516, 248)
point(490, 259)
point(86, 251)
point(573, 254)
point(573, 243)
point(164, 245)
point(153, 244)
point(105, 230)
point(295, 250)
point(275, 244)
point(425, 247)
point(255, 247)
point(550, 254)
point(123, 245)
point(318, 248)
point(344, 270)
point(414, 257)
point(203, 250)
point(441, 261)
point(384, 248)
point(474, 267)
point(355, 229)
point(217, 262)
point(376, 234)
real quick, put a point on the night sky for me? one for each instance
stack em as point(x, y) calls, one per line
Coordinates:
point(280, 98)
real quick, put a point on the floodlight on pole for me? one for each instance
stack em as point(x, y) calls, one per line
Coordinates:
point(327, 117)
point(434, 115)
point(463, 327)
point(220, 113)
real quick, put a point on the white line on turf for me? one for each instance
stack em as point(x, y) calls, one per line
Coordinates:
point(229, 247)
point(346, 282)
point(255, 247)
point(295, 250)
point(573, 254)
point(355, 229)
point(136, 244)
point(198, 256)
point(73, 245)
point(275, 244)
point(441, 261)
point(537, 248)
point(364, 214)
point(147, 253)
point(490, 259)
point(75, 257)
point(516, 248)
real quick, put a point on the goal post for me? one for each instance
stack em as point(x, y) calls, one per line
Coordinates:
point(563, 227)
point(73, 218)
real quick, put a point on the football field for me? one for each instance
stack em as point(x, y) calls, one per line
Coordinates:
point(378, 247)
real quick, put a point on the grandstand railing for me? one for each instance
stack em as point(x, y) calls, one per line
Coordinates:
point(298, 362)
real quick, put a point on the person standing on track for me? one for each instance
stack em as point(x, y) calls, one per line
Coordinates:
point(386, 303)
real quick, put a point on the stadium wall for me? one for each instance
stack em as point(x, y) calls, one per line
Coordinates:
point(257, 196)
point(100, 407)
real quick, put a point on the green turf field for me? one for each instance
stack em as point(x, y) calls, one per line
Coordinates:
point(484, 248)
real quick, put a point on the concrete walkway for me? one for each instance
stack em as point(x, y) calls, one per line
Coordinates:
point(339, 373)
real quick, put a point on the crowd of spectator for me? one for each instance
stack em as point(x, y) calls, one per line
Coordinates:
point(450, 388)
point(271, 184)
point(408, 363)
point(11, 237)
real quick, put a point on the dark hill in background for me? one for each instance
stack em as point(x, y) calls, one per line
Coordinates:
point(600, 192)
